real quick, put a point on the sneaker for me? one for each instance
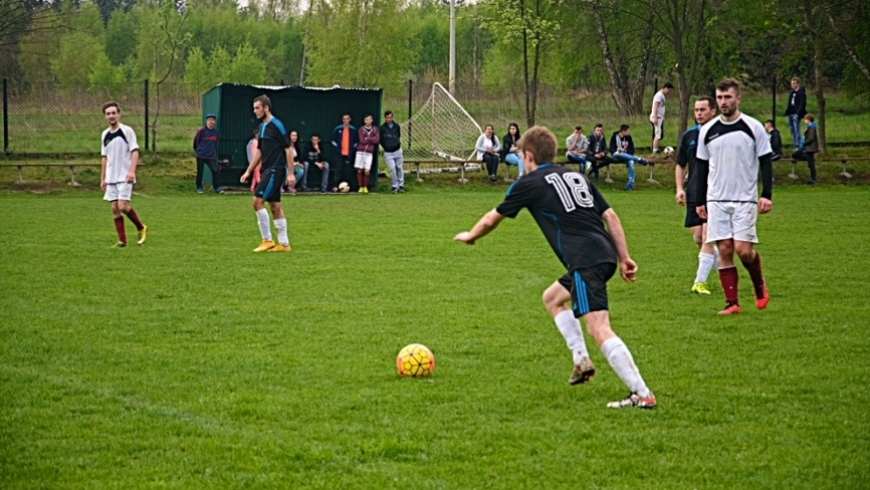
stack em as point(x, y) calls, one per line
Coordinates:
point(395, 190)
point(280, 248)
point(361, 191)
point(265, 245)
point(811, 182)
point(629, 187)
point(761, 303)
point(582, 372)
point(218, 190)
point(306, 190)
point(365, 190)
point(199, 190)
point(119, 245)
point(642, 161)
point(633, 400)
point(700, 288)
point(730, 309)
point(401, 190)
point(143, 234)
point(323, 190)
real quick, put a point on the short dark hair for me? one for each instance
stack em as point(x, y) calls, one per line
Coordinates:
point(541, 142)
point(315, 135)
point(368, 115)
point(578, 127)
point(770, 121)
point(623, 127)
point(711, 103)
point(668, 85)
point(810, 116)
point(388, 113)
point(264, 101)
point(599, 125)
point(111, 103)
point(728, 84)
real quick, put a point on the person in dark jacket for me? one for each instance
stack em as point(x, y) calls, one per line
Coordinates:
point(313, 157)
point(596, 152)
point(775, 139)
point(391, 142)
point(345, 140)
point(622, 151)
point(810, 147)
point(795, 111)
point(205, 146)
point(509, 152)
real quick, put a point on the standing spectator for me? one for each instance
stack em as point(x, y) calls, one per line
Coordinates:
point(369, 137)
point(314, 156)
point(775, 139)
point(577, 145)
point(297, 165)
point(345, 140)
point(809, 148)
point(250, 148)
point(391, 142)
point(487, 148)
point(120, 153)
point(795, 111)
point(596, 152)
point(205, 146)
point(509, 152)
point(622, 151)
point(657, 115)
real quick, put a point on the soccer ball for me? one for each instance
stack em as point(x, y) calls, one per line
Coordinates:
point(343, 187)
point(669, 151)
point(416, 361)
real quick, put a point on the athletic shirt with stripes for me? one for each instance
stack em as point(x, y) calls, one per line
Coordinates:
point(732, 150)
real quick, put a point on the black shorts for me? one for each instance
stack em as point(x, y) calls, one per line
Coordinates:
point(588, 287)
point(692, 218)
point(269, 187)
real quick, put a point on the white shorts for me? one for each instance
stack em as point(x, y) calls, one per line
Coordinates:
point(731, 220)
point(118, 192)
point(363, 161)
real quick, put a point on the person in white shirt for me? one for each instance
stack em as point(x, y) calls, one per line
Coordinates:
point(657, 115)
point(487, 148)
point(120, 155)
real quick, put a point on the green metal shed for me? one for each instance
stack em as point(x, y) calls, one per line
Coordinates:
point(305, 110)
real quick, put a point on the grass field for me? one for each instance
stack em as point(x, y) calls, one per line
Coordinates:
point(191, 362)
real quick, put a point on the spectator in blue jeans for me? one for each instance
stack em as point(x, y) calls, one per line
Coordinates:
point(809, 147)
point(577, 145)
point(509, 152)
point(622, 151)
point(313, 156)
point(795, 111)
point(596, 152)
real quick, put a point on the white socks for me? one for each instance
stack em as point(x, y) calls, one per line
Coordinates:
point(570, 329)
point(281, 228)
point(263, 223)
point(705, 264)
point(620, 360)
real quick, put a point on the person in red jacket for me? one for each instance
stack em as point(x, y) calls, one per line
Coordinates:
point(369, 137)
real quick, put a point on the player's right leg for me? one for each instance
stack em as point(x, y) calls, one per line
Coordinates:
point(720, 230)
point(555, 299)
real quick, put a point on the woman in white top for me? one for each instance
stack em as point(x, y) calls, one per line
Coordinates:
point(487, 148)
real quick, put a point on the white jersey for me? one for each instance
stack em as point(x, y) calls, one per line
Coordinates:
point(660, 111)
point(118, 147)
point(733, 149)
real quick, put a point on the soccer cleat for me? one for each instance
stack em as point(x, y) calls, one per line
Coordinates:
point(730, 309)
point(582, 372)
point(119, 245)
point(143, 234)
point(280, 248)
point(265, 245)
point(633, 400)
point(761, 303)
point(361, 191)
point(700, 288)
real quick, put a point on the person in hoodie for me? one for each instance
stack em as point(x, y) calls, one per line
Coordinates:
point(205, 146)
point(622, 151)
point(809, 148)
point(391, 142)
point(775, 139)
point(795, 111)
point(369, 137)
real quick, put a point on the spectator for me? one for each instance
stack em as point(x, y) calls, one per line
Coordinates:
point(250, 148)
point(487, 148)
point(345, 140)
point(577, 145)
point(391, 142)
point(657, 115)
point(314, 156)
point(509, 152)
point(205, 146)
point(622, 151)
point(795, 111)
point(809, 147)
point(596, 152)
point(297, 166)
point(775, 139)
point(369, 137)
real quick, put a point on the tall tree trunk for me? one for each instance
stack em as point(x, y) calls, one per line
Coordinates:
point(530, 119)
point(849, 49)
point(637, 96)
point(526, 65)
point(619, 91)
point(817, 72)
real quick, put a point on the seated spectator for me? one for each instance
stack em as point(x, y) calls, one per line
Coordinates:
point(622, 151)
point(809, 147)
point(775, 139)
point(314, 156)
point(509, 152)
point(577, 145)
point(596, 152)
point(250, 148)
point(487, 148)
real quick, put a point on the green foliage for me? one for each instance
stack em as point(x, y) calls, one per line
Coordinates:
point(247, 66)
point(219, 63)
point(104, 76)
point(78, 52)
point(197, 76)
point(121, 36)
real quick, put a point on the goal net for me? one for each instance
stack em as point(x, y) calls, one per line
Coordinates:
point(441, 129)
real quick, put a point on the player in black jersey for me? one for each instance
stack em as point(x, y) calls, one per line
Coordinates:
point(572, 214)
point(276, 154)
point(705, 110)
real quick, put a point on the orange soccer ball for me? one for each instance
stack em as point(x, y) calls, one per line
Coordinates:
point(416, 361)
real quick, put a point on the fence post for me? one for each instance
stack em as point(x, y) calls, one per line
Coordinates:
point(410, 94)
point(5, 116)
point(146, 114)
point(773, 106)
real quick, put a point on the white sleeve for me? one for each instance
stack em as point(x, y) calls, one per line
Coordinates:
point(701, 153)
point(762, 140)
point(480, 146)
point(103, 143)
point(131, 138)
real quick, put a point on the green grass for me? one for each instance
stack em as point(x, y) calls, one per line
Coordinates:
point(191, 362)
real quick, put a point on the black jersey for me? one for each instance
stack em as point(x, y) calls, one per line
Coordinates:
point(686, 159)
point(273, 142)
point(568, 209)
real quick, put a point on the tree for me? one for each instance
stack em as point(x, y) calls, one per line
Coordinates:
point(247, 66)
point(196, 73)
point(104, 76)
point(72, 65)
point(219, 65)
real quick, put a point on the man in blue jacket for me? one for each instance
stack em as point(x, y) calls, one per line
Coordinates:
point(205, 146)
point(795, 111)
point(622, 151)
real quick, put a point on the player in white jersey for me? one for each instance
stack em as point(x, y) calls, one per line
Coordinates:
point(120, 155)
point(730, 149)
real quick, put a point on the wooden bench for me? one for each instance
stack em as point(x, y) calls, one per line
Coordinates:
point(843, 161)
point(70, 166)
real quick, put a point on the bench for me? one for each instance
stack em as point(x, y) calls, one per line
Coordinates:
point(843, 161)
point(70, 166)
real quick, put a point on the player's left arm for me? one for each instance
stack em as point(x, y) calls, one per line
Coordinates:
point(134, 157)
point(627, 267)
point(489, 222)
point(765, 202)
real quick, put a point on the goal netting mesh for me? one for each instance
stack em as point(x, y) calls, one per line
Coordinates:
point(441, 129)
